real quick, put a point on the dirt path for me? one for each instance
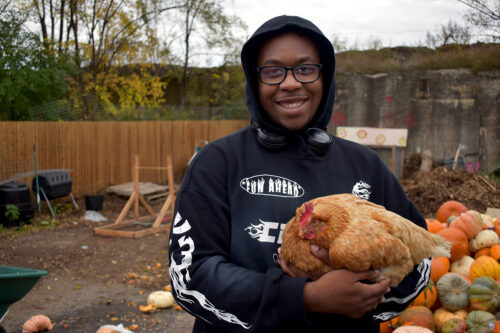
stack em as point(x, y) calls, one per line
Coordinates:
point(92, 280)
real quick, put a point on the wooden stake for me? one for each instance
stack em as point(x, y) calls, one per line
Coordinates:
point(456, 157)
point(136, 185)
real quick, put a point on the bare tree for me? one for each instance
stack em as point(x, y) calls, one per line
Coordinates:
point(485, 15)
point(449, 33)
point(205, 19)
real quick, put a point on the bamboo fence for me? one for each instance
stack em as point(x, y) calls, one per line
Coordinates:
point(100, 154)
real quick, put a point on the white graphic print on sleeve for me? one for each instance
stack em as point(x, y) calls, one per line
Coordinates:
point(179, 275)
point(424, 268)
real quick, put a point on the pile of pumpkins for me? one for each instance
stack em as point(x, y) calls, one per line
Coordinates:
point(463, 294)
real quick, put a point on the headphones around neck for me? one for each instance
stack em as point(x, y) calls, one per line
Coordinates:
point(317, 139)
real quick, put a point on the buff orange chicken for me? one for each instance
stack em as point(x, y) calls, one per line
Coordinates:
point(359, 235)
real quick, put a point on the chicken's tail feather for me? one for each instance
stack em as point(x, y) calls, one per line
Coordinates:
point(441, 246)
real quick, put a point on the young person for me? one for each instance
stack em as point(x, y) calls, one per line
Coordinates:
point(239, 192)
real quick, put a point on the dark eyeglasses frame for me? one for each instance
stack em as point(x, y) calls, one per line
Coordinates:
point(292, 69)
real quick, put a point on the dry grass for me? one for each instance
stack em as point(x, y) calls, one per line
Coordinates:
point(478, 57)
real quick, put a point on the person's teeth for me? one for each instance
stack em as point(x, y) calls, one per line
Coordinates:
point(291, 105)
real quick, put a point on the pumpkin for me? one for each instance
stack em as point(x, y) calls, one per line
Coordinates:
point(458, 240)
point(161, 299)
point(439, 267)
point(386, 327)
point(470, 223)
point(485, 266)
point(496, 225)
point(454, 325)
point(427, 297)
point(441, 316)
point(485, 238)
point(496, 329)
point(495, 252)
point(488, 222)
point(479, 321)
point(433, 225)
point(37, 323)
point(462, 265)
point(453, 291)
point(412, 329)
point(483, 252)
point(484, 294)
point(418, 316)
point(450, 208)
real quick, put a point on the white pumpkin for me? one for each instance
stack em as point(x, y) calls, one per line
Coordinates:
point(485, 238)
point(462, 265)
point(412, 329)
point(161, 299)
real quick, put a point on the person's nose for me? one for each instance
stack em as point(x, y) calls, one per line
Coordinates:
point(290, 83)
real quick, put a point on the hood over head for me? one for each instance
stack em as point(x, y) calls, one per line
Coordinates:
point(249, 55)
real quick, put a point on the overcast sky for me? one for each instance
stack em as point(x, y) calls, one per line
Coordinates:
point(394, 22)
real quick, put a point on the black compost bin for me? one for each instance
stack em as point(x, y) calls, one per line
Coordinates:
point(55, 183)
point(18, 194)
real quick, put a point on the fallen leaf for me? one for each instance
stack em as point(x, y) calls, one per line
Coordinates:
point(168, 288)
point(147, 308)
point(133, 327)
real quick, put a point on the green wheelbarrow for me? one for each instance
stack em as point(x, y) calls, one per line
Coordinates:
point(15, 283)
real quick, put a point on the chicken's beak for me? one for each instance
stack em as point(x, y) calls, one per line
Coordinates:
point(306, 234)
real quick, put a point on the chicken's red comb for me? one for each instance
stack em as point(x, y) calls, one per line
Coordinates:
point(305, 217)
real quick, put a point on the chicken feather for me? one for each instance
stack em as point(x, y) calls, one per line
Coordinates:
point(359, 235)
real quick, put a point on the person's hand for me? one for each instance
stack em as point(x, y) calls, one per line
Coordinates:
point(339, 291)
point(342, 292)
point(320, 253)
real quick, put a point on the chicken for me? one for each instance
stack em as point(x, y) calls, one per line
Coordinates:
point(360, 235)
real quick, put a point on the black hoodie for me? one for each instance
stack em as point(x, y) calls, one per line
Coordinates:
point(236, 198)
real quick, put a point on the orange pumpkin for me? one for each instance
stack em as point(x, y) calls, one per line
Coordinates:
point(495, 252)
point(386, 327)
point(433, 225)
point(496, 329)
point(469, 223)
point(439, 267)
point(484, 266)
point(466, 278)
point(483, 252)
point(458, 240)
point(496, 223)
point(427, 297)
point(418, 316)
point(450, 208)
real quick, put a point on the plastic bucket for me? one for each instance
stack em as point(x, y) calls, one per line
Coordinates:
point(94, 202)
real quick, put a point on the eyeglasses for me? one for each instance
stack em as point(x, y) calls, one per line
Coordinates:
point(276, 74)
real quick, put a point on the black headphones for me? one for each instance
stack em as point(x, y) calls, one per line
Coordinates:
point(317, 139)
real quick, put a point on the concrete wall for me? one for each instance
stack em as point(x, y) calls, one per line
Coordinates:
point(442, 109)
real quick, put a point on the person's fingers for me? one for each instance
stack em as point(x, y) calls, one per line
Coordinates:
point(370, 275)
point(321, 253)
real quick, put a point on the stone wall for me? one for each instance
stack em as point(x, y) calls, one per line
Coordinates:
point(442, 109)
